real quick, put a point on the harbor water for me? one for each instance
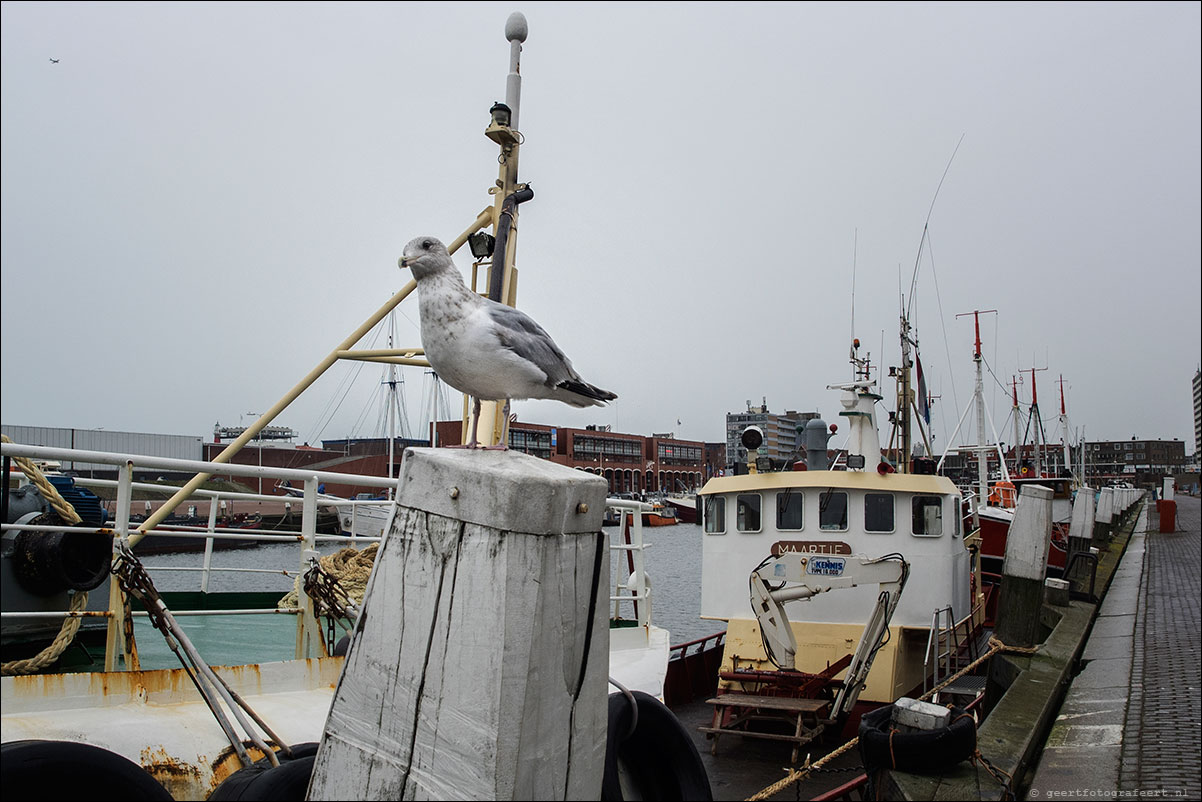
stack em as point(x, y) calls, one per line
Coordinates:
point(673, 563)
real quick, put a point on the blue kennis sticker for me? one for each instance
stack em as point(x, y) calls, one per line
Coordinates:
point(826, 566)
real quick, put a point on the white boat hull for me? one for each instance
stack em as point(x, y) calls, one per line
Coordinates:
point(157, 719)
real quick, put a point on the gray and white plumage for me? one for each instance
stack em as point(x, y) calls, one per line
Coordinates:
point(485, 349)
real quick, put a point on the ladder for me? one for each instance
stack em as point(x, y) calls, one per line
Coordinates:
point(947, 649)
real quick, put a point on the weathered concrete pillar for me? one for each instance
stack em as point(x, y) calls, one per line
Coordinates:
point(478, 668)
point(1104, 516)
point(1080, 530)
point(1023, 570)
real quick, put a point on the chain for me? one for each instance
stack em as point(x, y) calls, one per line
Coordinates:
point(134, 580)
point(214, 690)
point(330, 599)
point(1004, 779)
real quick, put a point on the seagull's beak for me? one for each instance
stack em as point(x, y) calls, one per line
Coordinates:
point(403, 263)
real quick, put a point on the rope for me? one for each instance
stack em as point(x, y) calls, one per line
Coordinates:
point(350, 567)
point(795, 775)
point(65, 511)
point(79, 601)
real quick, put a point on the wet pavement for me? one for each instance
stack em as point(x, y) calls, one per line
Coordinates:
point(1131, 723)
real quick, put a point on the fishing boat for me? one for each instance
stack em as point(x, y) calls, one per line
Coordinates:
point(661, 513)
point(990, 504)
point(685, 505)
point(124, 716)
point(866, 533)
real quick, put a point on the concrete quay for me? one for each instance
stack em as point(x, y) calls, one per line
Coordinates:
point(1130, 726)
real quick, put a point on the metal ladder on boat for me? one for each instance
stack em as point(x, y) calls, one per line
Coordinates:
point(946, 648)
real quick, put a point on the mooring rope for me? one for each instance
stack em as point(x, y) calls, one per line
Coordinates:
point(79, 600)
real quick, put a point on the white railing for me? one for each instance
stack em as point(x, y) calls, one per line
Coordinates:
point(125, 534)
point(636, 587)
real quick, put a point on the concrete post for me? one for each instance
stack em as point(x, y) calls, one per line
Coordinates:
point(1080, 531)
point(478, 668)
point(1024, 567)
point(1170, 486)
point(1104, 516)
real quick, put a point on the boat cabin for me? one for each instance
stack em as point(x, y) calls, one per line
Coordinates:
point(869, 512)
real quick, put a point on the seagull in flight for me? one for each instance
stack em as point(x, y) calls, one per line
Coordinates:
point(54, 61)
point(485, 349)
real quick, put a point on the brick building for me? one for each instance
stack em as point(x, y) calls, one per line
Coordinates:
point(1138, 461)
point(631, 463)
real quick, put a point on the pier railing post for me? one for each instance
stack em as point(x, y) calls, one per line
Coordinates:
point(1024, 568)
point(478, 667)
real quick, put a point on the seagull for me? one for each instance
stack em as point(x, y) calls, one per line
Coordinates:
point(485, 349)
point(54, 61)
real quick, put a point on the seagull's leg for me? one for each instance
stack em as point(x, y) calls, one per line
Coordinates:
point(504, 444)
point(473, 443)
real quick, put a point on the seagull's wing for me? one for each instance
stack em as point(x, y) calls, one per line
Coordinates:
point(519, 333)
point(527, 340)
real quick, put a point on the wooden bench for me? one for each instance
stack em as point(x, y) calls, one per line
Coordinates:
point(734, 711)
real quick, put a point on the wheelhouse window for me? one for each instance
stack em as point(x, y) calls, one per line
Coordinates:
point(788, 510)
point(715, 515)
point(956, 506)
point(928, 516)
point(747, 509)
point(878, 512)
point(832, 510)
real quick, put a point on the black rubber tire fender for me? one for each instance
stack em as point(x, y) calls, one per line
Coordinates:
point(51, 770)
point(657, 761)
point(919, 752)
point(262, 781)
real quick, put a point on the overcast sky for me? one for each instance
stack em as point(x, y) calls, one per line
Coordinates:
point(201, 200)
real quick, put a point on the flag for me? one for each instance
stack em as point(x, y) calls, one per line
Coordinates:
point(924, 405)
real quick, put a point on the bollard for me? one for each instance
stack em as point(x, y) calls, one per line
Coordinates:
point(1056, 591)
point(478, 667)
point(1167, 509)
point(1025, 565)
point(1080, 531)
point(1104, 516)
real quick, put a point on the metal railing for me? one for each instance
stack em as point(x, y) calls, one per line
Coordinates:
point(635, 587)
point(122, 529)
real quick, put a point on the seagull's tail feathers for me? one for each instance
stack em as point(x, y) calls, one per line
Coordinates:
point(582, 394)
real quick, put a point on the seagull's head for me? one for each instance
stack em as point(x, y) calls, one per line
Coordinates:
point(425, 256)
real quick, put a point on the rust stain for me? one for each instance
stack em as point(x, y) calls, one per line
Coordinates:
point(227, 763)
point(182, 780)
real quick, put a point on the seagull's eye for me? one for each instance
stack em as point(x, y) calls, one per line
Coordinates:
point(427, 244)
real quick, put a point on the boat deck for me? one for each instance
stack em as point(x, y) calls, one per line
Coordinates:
point(744, 766)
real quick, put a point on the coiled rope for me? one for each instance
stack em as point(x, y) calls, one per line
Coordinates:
point(79, 600)
point(349, 566)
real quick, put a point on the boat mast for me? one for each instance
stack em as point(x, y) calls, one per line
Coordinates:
point(1020, 438)
point(508, 193)
point(979, 401)
point(1064, 438)
point(979, 394)
point(904, 398)
point(1038, 435)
